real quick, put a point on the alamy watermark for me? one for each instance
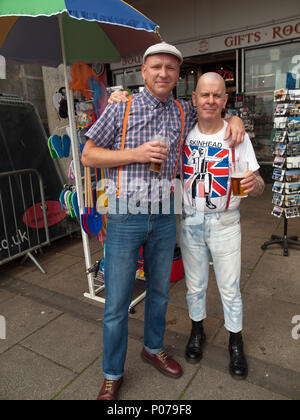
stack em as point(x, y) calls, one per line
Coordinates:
point(141, 197)
point(296, 329)
point(2, 328)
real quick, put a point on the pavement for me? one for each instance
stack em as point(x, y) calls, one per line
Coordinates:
point(53, 344)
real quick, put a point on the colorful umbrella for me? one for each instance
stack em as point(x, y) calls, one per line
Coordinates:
point(29, 30)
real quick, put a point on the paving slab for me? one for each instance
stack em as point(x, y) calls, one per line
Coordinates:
point(86, 385)
point(70, 280)
point(68, 341)
point(25, 375)
point(282, 281)
point(4, 295)
point(23, 317)
point(52, 262)
point(210, 384)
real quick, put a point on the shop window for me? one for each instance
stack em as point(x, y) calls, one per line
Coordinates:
point(266, 70)
point(227, 70)
point(187, 83)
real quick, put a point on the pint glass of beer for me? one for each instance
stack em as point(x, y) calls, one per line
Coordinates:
point(157, 167)
point(238, 171)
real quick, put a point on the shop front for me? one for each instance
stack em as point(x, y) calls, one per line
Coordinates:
point(254, 63)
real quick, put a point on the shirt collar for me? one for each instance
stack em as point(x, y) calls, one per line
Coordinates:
point(153, 101)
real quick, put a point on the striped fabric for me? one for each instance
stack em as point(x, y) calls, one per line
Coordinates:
point(148, 116)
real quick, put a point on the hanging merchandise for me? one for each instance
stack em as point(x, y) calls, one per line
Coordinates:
point(72, 171)
point(91, 220)
point(59, 147)
point(53, 153)
point(69, 201)
point(84, 216)
point(86, 82)
point(286, 174)
point(74, 201)
point(94, 97)
point(60, 103)
point(86, 115)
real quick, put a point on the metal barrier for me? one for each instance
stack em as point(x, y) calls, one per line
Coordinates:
point(23, 217)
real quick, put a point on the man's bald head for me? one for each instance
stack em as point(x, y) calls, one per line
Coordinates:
point(210, 99)
point(211, 76)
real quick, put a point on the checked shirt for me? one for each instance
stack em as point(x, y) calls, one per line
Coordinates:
point(148, 116)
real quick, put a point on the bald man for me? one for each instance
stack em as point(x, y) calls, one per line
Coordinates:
point(211, 219)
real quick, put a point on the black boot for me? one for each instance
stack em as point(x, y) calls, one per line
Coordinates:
point(238, 364)
point(193, 351)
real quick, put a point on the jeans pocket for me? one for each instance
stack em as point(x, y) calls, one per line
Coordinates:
point(118, 218)
point(230, 218)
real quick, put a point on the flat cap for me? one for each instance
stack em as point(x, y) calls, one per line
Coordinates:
point(163, 48)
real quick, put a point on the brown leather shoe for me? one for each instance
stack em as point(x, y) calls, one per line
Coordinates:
point(163, 363)
point(109, 390)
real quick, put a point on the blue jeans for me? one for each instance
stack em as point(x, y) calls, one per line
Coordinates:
point(126, 233)
point(219, 237)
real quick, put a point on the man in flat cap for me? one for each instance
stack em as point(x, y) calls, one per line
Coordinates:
point(128, 139)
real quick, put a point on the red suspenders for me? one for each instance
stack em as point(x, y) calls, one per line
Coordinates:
point(230, 189)
point(123, 140)
point(181, 136)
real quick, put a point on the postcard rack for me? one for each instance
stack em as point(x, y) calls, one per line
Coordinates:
point(286, 164)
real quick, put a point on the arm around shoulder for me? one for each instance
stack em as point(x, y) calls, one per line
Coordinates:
point(235, 131)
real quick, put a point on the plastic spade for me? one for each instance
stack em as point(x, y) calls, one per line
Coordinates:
point(94, 219)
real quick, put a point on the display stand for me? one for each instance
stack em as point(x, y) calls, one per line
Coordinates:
point(286, 173)
point(245, 109)
point(98, 286)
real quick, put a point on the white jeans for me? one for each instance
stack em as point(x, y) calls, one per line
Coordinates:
point(220, 237)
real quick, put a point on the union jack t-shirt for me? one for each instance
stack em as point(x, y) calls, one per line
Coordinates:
point(205, 170)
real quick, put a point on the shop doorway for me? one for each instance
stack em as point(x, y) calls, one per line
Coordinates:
point(223, 63)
